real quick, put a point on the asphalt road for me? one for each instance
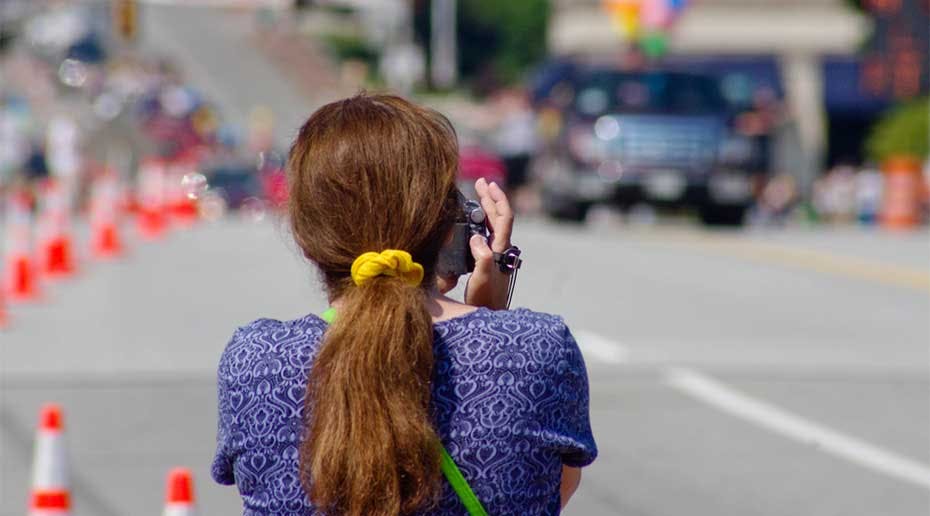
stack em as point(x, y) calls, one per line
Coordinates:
point(746, 373)
point(731, 373)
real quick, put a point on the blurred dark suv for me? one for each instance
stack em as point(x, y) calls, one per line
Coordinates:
point(654, 137)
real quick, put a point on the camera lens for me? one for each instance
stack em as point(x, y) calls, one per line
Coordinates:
point(476, 215)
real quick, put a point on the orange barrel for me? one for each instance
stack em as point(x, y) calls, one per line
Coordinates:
point(902, 191)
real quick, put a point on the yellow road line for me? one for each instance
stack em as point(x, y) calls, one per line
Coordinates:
point(794, 257)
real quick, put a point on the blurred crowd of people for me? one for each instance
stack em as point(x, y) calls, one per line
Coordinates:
point(77, 102)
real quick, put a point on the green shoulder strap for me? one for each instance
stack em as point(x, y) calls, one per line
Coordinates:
point(460, 485)
point(328, 315)
point(446, 464)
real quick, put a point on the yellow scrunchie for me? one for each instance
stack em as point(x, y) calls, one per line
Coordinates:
point(390, 262)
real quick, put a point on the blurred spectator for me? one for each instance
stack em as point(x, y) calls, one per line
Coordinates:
point(35, 167)
point(515, 137)
point(776, 201)
point(760, 123)
point(71, 108)
point(835, 196)
point(868, 194)
point(14, 144)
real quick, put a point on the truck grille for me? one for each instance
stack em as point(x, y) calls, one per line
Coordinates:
point(666, 142)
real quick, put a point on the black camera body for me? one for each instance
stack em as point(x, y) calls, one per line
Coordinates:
point(455, 258)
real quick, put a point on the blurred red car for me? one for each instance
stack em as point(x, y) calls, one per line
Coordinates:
point(274, 187)
point(476, 162)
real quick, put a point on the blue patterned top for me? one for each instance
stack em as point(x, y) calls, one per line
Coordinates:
point(510, 399)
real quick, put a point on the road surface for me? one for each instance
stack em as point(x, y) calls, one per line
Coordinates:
point(731, 373)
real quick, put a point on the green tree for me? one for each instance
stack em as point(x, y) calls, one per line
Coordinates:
point(904, 131)
point(499, 39)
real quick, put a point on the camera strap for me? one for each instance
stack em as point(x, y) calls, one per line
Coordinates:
point(513, 284)
point(509, 263)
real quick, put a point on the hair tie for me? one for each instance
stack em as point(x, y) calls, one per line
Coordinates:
point(390, 262)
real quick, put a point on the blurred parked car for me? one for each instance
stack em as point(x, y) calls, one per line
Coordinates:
point(272, 173)
point(236, 183)
point(655, 137)
point(475, 162)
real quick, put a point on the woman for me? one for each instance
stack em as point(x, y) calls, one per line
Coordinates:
point(354, 417)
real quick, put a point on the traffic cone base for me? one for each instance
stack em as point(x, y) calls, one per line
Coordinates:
point(58, 257)
point(151, 224)
point(107, 242)
point(185, 213)
point(50, 502)
point(178, 509)
point(179, 495)
point(49, 494)
point(21, 283)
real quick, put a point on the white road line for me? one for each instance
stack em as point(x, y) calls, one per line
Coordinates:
point(795, 427)
point(600, 349)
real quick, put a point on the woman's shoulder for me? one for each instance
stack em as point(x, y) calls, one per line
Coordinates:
point(270, 342)
point(538, 336)
point(527, 316)
point(518, 321)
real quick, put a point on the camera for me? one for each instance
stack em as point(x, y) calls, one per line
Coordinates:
point(455, 258)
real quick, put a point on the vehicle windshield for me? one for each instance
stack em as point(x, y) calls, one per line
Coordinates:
point(675, 93)
point(229, 176)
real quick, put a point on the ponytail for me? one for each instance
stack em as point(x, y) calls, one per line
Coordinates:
point(371, 447)
point(372, 178)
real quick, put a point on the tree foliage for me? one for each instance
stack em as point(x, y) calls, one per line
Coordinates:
point(904, 131)
point(501, 38)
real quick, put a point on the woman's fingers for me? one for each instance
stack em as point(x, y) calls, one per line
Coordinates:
point(487, 285)
point(497, 209)
point(504, 220)
point(480, 249)
point(483, 189)
point(500, 200)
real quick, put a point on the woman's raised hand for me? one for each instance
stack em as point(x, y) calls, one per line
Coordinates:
point(487, 285)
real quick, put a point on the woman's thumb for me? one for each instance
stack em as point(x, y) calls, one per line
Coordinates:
point(480, 248)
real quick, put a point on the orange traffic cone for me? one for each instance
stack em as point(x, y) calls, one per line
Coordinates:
point(50, 493)
point(150, 219)
point(104, 221)
point(179, 495)
point(56, 251)
point(19, 272)
point(901, 194)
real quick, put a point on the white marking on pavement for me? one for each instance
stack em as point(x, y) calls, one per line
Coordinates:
point(601, 349)
point(795, 427)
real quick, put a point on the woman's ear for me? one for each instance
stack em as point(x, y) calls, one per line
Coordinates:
point(446, 284)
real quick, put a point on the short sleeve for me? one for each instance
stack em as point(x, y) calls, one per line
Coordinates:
point(567, 426)
point(222, 468)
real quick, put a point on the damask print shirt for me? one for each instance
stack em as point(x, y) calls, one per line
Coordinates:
point(509, 397)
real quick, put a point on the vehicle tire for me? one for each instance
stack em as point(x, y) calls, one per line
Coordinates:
point(563, 209)
point(717, 215)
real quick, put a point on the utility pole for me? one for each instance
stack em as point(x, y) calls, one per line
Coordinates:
point(443, 35)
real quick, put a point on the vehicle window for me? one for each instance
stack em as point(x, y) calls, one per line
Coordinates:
point(607, 92)
point(226, 177)
point(593, 100)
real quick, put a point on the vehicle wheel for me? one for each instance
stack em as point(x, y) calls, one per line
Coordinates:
point(567, 210)
point(717, 215)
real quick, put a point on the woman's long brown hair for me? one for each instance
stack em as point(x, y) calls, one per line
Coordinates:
point(370, 173)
